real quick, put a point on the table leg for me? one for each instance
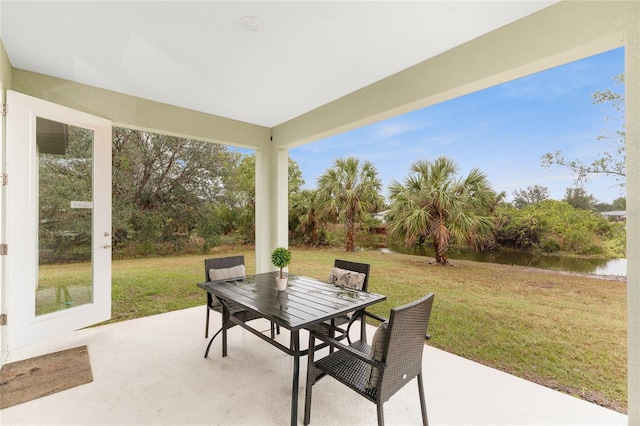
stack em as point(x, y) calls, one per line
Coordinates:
point(225, 321)
point(295, 340)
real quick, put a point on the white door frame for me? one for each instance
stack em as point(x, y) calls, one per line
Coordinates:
point(23, 326)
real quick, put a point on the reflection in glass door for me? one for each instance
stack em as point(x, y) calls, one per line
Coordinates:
point(65, 210)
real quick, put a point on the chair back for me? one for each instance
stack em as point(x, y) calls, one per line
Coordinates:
point(363, 268)
point(219, 263)
point(405, 344)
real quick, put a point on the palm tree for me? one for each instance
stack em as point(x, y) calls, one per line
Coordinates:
point(434, 203)
point(347, 190)
point(304, 215)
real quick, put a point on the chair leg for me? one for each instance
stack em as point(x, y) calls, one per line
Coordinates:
point(380, 413)
point(206, 326)
point(206, 353)
point(311, 376)
point(423, 404)
point(332, 334)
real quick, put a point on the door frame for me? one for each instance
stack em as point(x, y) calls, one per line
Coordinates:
point(23, 325)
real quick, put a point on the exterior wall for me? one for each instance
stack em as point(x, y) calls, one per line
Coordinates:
point(141, 114)
point(632, 123)
point(5, 84)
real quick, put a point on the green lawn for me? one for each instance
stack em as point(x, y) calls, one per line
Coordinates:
point(564, 331)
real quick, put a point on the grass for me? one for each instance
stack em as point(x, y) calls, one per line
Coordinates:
point(567, 332)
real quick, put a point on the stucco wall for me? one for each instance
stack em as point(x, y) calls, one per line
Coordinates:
point(140, 114)
point(5, 84)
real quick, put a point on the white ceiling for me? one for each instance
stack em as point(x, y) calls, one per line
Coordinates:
point(198, 55)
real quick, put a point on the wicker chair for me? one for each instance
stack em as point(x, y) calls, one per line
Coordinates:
point(398, 358)
point(212, 303)
point(342, 320)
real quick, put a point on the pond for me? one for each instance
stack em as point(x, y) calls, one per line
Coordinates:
point(616, 267)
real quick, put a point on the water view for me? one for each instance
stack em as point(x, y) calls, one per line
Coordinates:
point(615, 267)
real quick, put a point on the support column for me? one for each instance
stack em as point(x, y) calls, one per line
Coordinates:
point(632, 128)
point(272, 204)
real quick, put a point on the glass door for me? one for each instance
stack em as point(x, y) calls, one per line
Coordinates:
point(58, 219)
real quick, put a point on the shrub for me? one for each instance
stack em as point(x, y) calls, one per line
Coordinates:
point(553, 226)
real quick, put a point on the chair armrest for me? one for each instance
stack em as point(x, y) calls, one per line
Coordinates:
point(371, 315)
point(360, 315)
point(364, 313)
point(348, 349)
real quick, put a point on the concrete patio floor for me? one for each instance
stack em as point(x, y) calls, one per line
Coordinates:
point(152, 371)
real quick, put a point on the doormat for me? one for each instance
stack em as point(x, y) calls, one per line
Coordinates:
point(32, 378)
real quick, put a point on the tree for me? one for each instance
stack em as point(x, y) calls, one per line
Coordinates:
point(579, 199)
point(619, 203)
point(305, 215)
point(348, 189)
point(612, 161)
point(434, 203)
point(162, 186)
point(533, 194)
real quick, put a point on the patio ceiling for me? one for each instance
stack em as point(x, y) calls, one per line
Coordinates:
point(288, 58)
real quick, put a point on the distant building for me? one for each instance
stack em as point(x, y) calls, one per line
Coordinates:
point(615, 215)
point(382, 228)
point(381, 216)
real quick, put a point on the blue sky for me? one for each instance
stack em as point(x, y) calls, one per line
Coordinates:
point(504, 131)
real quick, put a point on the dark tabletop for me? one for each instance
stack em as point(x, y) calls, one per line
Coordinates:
point(305, 301)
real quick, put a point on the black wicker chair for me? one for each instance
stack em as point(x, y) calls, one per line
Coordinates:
point(212, 303)
point(355, 316)
point(398, 358)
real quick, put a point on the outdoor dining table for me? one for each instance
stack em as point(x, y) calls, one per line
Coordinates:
point(305, 303)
